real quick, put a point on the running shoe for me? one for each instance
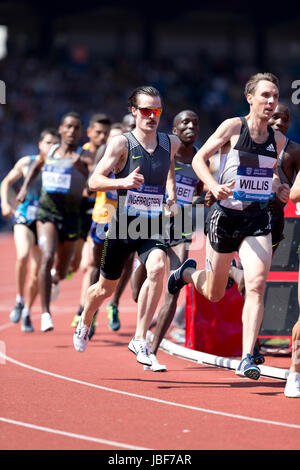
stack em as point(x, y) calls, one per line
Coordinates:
point(26, 324)
point(46, 322)
point(16, 313)
point(140, 347)
point(155, 366)
point(113, 317)
point(248, 368)
point(292, 386)
point(257, 356)
point(93, 325)
point(176, 281)
point(75, 320)
point(81, 337)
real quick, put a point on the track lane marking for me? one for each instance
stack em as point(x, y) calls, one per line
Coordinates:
point(71, 434)
point(156, 400)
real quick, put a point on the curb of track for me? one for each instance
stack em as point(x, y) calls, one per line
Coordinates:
point(216, 361)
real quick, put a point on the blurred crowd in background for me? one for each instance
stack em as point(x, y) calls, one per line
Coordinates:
point(40, 89)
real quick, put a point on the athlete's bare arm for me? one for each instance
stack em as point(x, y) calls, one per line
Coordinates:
point(16, 173)
point(113, 161)
point(225, 134)
point(31, 175)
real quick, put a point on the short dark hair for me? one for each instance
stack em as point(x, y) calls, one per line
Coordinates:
point(71, 114)
point(253, 81)
point(178, 116)
point(142, 90)
point(101, 119)
point(49, 130)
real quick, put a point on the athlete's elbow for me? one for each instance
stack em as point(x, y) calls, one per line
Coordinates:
point(92, 184)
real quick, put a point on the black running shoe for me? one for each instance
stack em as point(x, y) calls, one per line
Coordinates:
point(175, 281)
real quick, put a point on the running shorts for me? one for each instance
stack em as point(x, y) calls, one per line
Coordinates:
point(227, 228)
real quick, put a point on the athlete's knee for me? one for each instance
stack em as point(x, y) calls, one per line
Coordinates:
point(256, 286)
point(155, 272)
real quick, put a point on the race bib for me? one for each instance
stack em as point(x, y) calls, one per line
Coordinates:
point(56, 179)
point(253, 184)
point(145, 201)
point(185, 187)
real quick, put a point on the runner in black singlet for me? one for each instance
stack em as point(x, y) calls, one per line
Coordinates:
point(143, 164)
point(240, 220)
point(188, 188)
point(64, 173)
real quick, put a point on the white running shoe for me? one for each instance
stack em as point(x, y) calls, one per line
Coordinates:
point(141, 348)
point(55, 290)
point(292, 386)
point(81, 337)
point(46, 322)
point(155, 366)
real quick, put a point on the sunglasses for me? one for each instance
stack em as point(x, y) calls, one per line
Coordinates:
point(148, 111)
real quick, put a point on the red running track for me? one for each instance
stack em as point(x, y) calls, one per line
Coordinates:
point(54, 398)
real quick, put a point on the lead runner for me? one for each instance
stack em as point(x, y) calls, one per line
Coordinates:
point(143, 164)
point(240, 221)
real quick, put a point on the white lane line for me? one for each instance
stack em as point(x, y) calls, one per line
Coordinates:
point(71, 434)
point(156, 400)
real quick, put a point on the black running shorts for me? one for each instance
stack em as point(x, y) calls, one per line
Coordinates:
point(68, 227)
point(116, 252)
point(227, 228)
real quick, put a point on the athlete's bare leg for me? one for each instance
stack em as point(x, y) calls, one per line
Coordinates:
point(256, 257)
point(150, 291)
point(32, 289)
point(138, 277)
point(212, 281)
point(176, 256)
point(95, 296)
point(48, 241)
point(24, 241)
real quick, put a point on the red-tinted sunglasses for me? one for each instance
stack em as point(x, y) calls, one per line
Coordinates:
point(148, 111)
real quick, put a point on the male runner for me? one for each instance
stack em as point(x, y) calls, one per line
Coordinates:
point(64, 173)
point(288, 165)
point(143, 164)
point(239, 221)
point(97, 132)
point(186, 127)
point(24, 227)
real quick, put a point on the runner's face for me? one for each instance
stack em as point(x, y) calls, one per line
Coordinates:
point(280, 121)
point(70, 131)
point(264, 99)
point(46, 143)
point(187, 128)
point(98, 133)
point(146, 123)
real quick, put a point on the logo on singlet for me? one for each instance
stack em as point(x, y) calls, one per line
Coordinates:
point(138, 156)
point(271, 148)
